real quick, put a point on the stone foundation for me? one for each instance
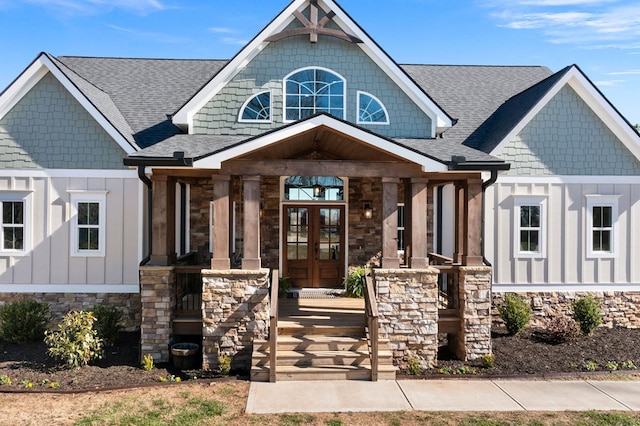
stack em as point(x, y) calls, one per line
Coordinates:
point(61, 303)
point(408, 313)
point(235, 311)
point(157, 294)
point(619, 309)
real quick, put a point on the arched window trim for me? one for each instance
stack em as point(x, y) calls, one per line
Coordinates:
point(246, 103)
point(384, 108)
point(284, 90)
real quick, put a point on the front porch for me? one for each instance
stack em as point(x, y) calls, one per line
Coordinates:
point(310, 206)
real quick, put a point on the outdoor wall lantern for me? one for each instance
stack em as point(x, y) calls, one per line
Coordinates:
point(367, 209)
point(318, 191)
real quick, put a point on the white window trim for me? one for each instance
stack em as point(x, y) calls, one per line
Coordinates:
point(284, 91)
point(99, 197)
point(530, 200)
point(596, 200)
point(384, 108)
point(244, 105)
point(25, 197)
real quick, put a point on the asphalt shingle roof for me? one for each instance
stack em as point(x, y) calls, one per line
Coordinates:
point(138, 96)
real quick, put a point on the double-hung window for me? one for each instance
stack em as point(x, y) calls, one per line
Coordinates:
point(530, 227)
point(15, 225)
point(88, 223)
point(602, 217)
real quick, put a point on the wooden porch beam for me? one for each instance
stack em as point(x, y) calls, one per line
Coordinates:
point(322, 168)
point(473, 215)
point(390, 223)
point(251, 228)
point(221, 222)
point(163, 249)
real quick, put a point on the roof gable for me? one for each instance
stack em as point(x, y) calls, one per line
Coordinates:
point(40, 67)
point(589, 93)
point(439, 118)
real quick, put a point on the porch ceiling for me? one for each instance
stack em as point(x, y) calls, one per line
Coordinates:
point(321, 143)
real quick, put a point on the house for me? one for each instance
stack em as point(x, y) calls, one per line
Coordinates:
point(174, 187)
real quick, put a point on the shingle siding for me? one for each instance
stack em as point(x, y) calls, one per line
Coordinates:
point(267, 70)
point(49, 129)
point(568, 138)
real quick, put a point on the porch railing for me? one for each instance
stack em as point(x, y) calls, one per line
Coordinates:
point(449, 303)
point(371, 309)
point(273, 325)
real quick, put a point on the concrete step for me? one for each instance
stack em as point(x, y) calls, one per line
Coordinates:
point(344, 372)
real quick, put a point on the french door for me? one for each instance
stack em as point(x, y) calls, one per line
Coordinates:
point(314, 247)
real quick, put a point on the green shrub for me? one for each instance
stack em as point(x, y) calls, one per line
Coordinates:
point(23, 321)
point(76, 342)
point(224, 364)
point(284, 285)
point(355, 282)
point(488, 360)
point(108, 322)
point(515, 312)
point(586, 312)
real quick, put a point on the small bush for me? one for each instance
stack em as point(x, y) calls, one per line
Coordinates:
point(23, 321)
point(355, 282)
point(284, 285)
point(413, 365)
point(224, 364)
point(515, 312)
point(108, 322)
point(147, 363)
point(562, 329)
point(488, 360)
point(76, 342)
point(586, 312)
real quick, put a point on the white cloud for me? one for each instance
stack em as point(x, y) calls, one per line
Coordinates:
point(628, 72)
point(608, 83)
point(221, 30)
point(156, 37)
point(91, 7)
point(234, 41)
point(585, 23)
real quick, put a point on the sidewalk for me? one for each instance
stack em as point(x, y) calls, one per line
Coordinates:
point(443, 395)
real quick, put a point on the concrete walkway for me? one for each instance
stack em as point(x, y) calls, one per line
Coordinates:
point(443, 395)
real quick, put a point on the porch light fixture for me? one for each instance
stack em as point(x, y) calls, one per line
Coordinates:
point(261, 210)
point(318, 191)
point(367, 209)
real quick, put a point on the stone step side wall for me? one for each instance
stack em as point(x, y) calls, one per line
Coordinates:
point(475, 287)
point(235, 311)
point(61, 303)
point(408, 313)
point(619, 309)
point(157, 295)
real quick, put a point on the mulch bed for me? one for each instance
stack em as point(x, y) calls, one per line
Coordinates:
point(529, 353)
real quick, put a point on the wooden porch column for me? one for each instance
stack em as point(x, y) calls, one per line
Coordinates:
point(473, 232)
point(459, 222)
point(251, 229)
point(390, 223)
point(419, 223)
point(163, 249)
point(221, 222)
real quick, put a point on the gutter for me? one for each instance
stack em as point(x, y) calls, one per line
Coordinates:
point(460, 163)
point(178, 160)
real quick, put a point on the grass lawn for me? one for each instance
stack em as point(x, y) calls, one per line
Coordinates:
point(223, 403)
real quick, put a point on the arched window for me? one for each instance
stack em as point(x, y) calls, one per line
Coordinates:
point(371, 110)
point(313, 90)
point(257, 108)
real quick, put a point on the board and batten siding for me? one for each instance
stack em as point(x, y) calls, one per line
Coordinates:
point(50, 267)
point(566, 263)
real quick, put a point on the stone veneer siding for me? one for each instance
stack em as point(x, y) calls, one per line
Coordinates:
point(157, 294)
point(619, 309)
point(61, 303)
point(408, 313)
point(475, 288)
point(235, 310)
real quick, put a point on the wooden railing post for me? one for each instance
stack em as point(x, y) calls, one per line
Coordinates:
point(273, 325)
point(371, 309)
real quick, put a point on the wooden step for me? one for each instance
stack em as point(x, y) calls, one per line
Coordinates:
point(314, 343)
point(346, 372)
point(321, 358)
point(299, 330)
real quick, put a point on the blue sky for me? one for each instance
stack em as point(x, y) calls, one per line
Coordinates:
point(601, 36)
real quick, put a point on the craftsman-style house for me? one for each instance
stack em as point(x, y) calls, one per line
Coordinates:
point(174, 188)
